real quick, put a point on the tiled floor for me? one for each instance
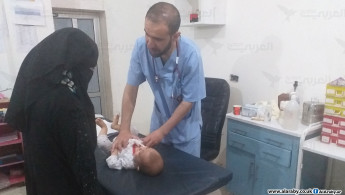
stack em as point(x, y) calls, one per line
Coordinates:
point(14, 190)
point(20, 190)
point(221, 191)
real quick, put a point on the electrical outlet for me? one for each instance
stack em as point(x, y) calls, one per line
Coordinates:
point(233, 78)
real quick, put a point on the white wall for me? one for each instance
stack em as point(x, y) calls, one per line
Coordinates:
point(267, 43)
point(125, 25)
point(270, 43)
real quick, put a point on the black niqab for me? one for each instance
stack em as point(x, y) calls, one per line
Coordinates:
point(66, 49)
point(57, 117)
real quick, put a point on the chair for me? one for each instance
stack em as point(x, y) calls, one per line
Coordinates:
point(213, 109)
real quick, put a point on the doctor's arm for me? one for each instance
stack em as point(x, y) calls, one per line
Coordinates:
point(128, 104)
point(156, 136)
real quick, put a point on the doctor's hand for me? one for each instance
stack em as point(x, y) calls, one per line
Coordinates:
point(153, 138)
point(121, 140)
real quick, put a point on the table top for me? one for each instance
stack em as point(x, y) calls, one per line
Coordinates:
point(182, 174)
point(274, 125)
point(330, 150)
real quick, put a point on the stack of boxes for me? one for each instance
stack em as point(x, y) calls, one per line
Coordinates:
point(333, 126)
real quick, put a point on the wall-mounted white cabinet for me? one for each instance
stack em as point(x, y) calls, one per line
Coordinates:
point(210, 12)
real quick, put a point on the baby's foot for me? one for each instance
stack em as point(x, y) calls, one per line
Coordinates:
point(115, 124)
point(100, 123)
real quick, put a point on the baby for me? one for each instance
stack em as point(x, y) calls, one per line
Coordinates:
point(134, 156)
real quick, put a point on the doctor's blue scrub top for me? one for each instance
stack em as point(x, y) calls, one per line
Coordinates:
point(186, 82)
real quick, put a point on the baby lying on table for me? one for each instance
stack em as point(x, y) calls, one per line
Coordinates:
point(134, 156)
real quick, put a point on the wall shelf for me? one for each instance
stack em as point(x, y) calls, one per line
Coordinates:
point(201, 24)
point(330, 150)
point(210, 13)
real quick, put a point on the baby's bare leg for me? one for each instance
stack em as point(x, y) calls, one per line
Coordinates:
point(115, 124)
point(104, 129)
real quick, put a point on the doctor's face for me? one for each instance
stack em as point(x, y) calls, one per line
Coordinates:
point(158, 39)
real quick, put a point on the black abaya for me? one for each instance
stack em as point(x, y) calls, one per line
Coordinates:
point(57, 117)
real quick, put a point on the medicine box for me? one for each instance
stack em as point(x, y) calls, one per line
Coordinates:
point(334, 120)
point(334, 110)
point(333, 125)
point(325, 137)
point(341, 142)
point(335, 101)
point(336, 88)
point(249, 110)
point(329, 138)
point(333, 129)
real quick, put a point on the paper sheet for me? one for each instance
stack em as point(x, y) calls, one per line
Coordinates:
point(26, 37)
point(29, 13)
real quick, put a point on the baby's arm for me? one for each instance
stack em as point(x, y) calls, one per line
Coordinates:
point(102, 139)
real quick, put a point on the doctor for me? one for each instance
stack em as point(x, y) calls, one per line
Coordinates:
point(172, 66)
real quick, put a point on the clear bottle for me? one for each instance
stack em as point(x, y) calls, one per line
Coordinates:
point(291, 113)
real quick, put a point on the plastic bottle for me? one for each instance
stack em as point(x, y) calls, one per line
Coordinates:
point(291, 113)
point(295, 85)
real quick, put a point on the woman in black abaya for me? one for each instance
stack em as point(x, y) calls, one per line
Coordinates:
point(51, 107)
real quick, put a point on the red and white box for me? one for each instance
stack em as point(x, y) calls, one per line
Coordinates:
point(334, 120)
point(334, 138)
point(341, 133)
point(325, 138)
point(329, 138)
point(333, 126)
point(326, 129)
point(333, 129)
point(341, 141)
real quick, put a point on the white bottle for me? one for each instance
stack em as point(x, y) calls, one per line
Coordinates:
point(291, 113)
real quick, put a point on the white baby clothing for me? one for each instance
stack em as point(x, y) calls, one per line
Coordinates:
point(123, 159)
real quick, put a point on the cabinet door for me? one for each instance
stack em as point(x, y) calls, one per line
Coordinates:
point(273, 169)
point(269, 175)
point(242, 164)
point(258, 166)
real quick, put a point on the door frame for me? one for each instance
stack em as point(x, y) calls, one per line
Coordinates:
point(103, 64)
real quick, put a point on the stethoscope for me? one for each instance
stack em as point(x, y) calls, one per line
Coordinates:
point(156, 77)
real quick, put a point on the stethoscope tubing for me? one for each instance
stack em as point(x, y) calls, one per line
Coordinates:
point(156, 77)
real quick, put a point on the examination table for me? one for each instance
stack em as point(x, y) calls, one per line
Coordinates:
point(183, 174)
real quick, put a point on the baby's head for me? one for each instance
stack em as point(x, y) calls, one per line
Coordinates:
point(149, 161)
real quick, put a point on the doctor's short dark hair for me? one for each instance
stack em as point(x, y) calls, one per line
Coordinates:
point(167, 13)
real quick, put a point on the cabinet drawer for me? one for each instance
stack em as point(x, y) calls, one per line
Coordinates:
point(260, 149)
point(270, 137)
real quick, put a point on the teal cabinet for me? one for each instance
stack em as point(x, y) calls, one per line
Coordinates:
point(260, 158)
